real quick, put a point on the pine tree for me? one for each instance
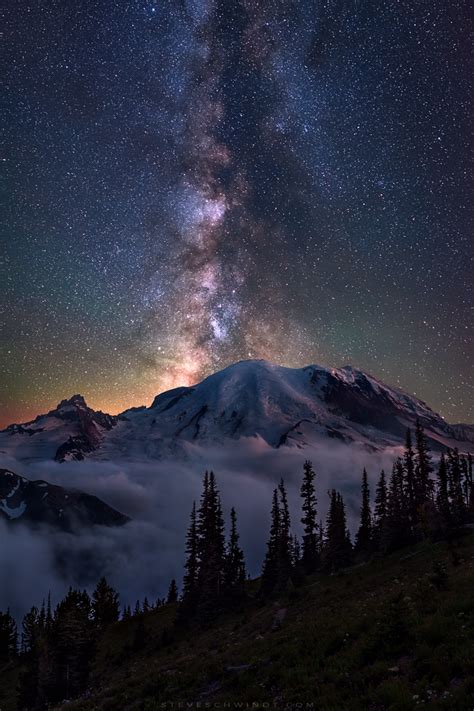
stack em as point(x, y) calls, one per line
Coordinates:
point(72, 646)
point(442, 495)
point(8, 637)
point(270, 565)
point(190, 581)
point(172, 596)
point(457, 503)
point(338, 549)
point(423, 468)
point(30, 650)
point(234, 564)
point(310, 558)
point(395, 532)
point(285, 543)
point(380, 510)
point(137, 609)
point(105, 605)
point(409, 504)
point(364, 539)
point(211, 547)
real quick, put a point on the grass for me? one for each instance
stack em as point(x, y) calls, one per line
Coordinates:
point(395, 634)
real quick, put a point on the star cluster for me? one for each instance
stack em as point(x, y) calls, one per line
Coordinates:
point(194, 182)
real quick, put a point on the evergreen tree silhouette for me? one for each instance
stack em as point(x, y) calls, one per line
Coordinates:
point(234, 563)
point(8, 637)
point(338, 548)
point(105, 605)
point(172, 596)
point(190, 582)
point(310, 556)
point(423, 468)
point(364, 540)
point(410, 503)
point(269, 579)
point(380, 513)
point(211, 548)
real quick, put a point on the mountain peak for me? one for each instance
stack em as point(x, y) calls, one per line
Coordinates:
point(75, 400)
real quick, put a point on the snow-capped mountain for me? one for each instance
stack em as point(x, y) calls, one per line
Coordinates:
point(37, 502)
point(282, 407)
point(71, 431)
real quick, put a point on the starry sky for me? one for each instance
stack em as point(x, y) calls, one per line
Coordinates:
point(187, 183)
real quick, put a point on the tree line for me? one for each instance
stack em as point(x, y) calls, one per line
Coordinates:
point(56, 648)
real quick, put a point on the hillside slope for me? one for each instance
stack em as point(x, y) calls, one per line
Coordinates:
point(393, 634)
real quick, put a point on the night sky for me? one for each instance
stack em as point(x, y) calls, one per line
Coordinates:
point(188, 183)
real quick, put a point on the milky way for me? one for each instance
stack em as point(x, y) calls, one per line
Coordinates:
point(193, 183)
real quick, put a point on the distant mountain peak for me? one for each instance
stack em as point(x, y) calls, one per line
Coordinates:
point(281, 406)
point(75, 400)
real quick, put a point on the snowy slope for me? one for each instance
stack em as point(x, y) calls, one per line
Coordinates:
point(70, 431)
point(250, 399)
point(282, 406)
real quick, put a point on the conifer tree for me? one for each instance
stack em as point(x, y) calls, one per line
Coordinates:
point(409, 497)
point(72, 645)
point(442, 495)
point(190, 581)
point(395, 532)
point(364, 539)
point(423, 468)
point(338, 549)
point(137, 610)
point(270, 565)
point(285, 544)
point(172, 596)
point(105, 605)
point(310, 556)
point(234, 563)
point(457, 503)
point(8, 636)
point(211, 548)
point(380, 510)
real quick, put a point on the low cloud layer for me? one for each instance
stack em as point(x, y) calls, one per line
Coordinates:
point(140, 558)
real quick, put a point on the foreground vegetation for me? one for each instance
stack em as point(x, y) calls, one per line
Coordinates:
point(397, 633)
point(385, 622)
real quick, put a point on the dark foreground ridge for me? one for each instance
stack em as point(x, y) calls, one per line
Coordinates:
point(39, 503)
point(392, 634)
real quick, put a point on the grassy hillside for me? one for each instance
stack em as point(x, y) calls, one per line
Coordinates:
point(397, 633)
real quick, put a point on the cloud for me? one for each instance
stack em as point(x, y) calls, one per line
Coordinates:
point(141, 558)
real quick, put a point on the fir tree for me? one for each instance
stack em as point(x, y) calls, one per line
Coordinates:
point(270, 565)
point(364, 540)
point(285, 543)
point(338, 549)
point(234, 563)
point(172, 596)
point(380, 510)
point(423, 468)
point(457, 503)
point(190, 581)
point(409, 497)
point(8, 636)
point(105, 605)
point(211, 548)
point(72, 646)
point(310, 557)
point(442, 495)
point(395, 532)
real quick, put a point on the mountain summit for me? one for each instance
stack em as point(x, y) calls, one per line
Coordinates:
point(250, 399)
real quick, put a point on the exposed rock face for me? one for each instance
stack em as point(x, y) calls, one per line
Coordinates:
point(37, 502)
